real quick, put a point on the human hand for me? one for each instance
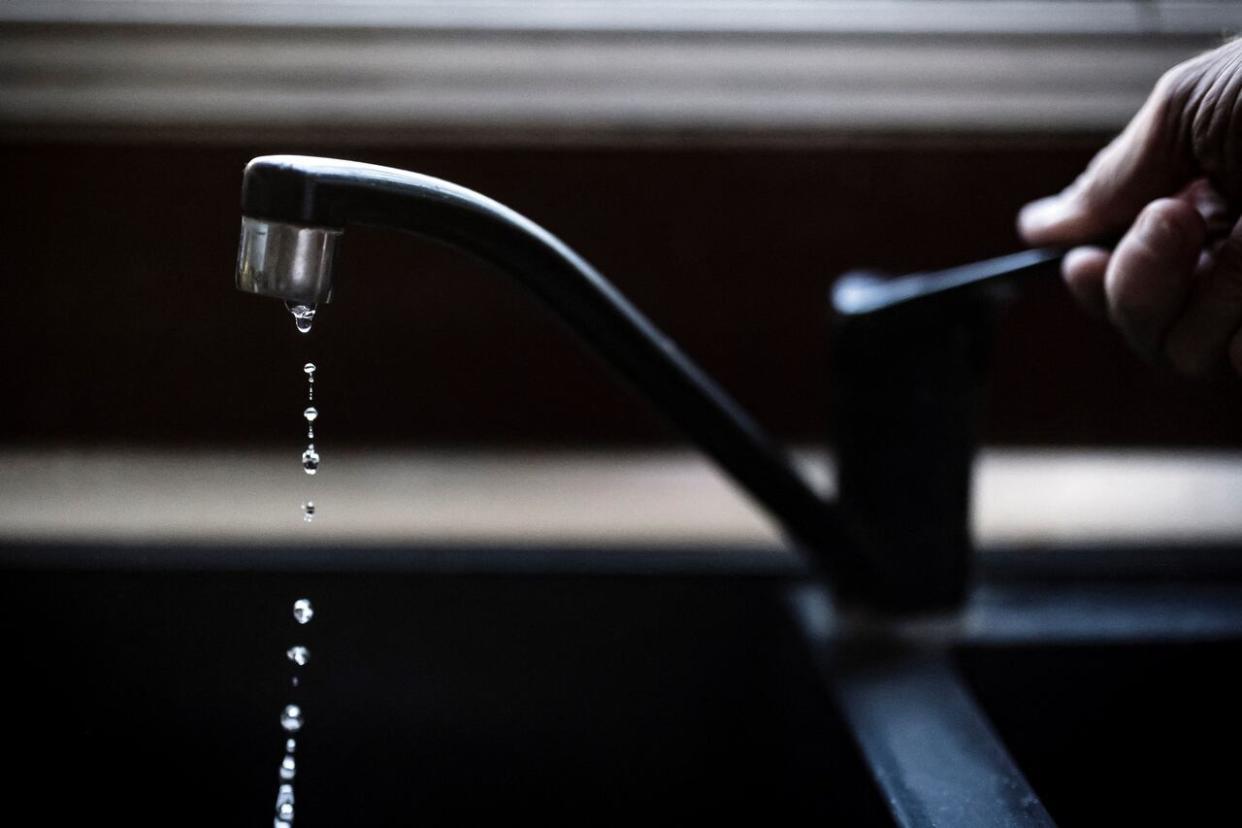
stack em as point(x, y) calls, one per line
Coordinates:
point(1172, 180)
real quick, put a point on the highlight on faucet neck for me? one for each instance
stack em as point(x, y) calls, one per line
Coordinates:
point(286, 261)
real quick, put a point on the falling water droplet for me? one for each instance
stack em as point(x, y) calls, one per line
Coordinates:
point(295, 681)
point(308, 511)
point(303, 611)
point(291, 718)
point(291, 745)
point(284, 798)
point(288, 768)
point(299, 655)
point(310, 459)
point(280, 823)
point(309, 368)
point(310, 414)
point(303, 316)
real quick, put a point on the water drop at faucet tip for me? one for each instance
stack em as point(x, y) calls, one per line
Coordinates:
point(303, 316)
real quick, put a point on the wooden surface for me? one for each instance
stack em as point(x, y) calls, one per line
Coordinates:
point(603, 499)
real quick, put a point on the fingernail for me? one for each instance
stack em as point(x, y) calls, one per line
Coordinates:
point(1083, 259)
point(1038, 216)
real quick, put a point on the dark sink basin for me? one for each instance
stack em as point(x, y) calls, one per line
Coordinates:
point(445, 693)
point(450, 686)
point(1119, 734)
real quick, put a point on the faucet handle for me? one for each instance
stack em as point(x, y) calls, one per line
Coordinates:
point(910, 359)
point(860, 293)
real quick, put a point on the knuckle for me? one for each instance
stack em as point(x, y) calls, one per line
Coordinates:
point(1158, 225)
point(1173, 81)
point(1170, 225)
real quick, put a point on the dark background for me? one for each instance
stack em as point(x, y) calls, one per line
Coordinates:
point(121, 325)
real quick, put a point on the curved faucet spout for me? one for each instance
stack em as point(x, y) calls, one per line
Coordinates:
point(295, 207)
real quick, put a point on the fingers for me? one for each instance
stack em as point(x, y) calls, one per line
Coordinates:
point(1084, 269)
point(1141, 164)
point(1205, 338)
point(1210, 204)
point(1151, 272)
point(1151, 269)
point(1169, 292)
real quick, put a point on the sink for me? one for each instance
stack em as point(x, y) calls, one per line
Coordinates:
point(453, 685)
point(1108, 674)
point(1120, 734)
point(461, 686)
point(1075, 686)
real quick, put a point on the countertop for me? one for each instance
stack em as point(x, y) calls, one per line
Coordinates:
point(599, 498)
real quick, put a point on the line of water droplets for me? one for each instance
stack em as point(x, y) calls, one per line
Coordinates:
point(291, 721)
point(310, 457)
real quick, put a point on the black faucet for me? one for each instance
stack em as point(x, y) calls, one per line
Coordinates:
point(910, 358)
point(878, 545)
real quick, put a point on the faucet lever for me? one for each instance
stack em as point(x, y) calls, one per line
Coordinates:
point(910, 358)
point(860, 293)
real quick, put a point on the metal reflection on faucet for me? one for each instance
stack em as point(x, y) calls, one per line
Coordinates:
point(286, 261)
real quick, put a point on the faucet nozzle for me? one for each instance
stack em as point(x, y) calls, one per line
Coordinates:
point(286, 261)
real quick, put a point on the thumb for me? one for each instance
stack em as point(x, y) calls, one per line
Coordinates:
point(1141, 164)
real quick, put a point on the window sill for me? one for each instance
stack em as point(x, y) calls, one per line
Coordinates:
point(505, 72)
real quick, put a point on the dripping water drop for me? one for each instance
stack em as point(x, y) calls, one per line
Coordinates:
point(308, 511)
point(303, 611)
point(291, 745)
point(288, 768)
point(299, 655)
point(310, 459)
point(310, 414)
point(284, 799)
point(303, 316)
point(291, 718)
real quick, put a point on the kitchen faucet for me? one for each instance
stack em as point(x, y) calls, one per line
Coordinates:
point(295, 210)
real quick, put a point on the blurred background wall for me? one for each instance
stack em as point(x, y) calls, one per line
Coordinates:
point(721, 163)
